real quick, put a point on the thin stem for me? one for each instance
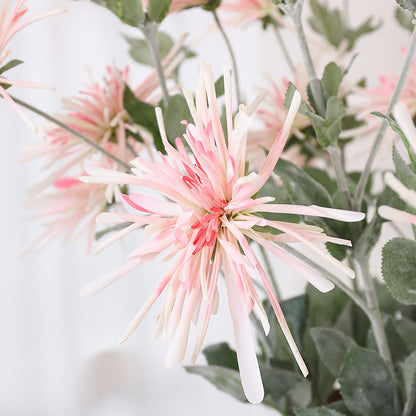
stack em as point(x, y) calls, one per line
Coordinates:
point(375, 315)
point(232, 55)
point(341, 178)
point(270, 272)
point(296, 12)
point(72, 131)
point(331, 277)
point(359, 193)
point(150, 30)
point(284, 49)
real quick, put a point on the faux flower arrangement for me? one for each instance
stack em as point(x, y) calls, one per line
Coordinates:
point(212, 189)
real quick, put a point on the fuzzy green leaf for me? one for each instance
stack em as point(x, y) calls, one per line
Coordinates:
point(144, 115)
point(140, 52)
point(11, 64)
point(366, 383)
point(399, 269)
point(158, 9)
point(332, 346)
point(304, 108)
point(317, 411)
point(407, 4)
point(405, 19)
point(404, 172)
point(221, 355)
point(331, 79)
point(176, 111)
point(128, 11)
point(225, 379)
point(408, 372)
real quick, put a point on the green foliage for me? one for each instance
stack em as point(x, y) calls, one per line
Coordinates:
point(407, 4)
point(331, 25)
point(405, 18)
point(158, 9)
point(408, 375)
point(331, 79)
point(317, 411)
point(225, 379)
point(221, 355)
point(405, 173)
point(11, 64)
point(211, 5)
point(366, 383)
point(399, 269)
point(395, 127)
point(128, 11)
point(175, 112)
point(144, 115)
point(332, 346)
point(140, 51)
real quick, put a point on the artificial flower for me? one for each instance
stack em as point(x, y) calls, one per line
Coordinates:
point(205, 221)
point(246, 11)
point(9, 26)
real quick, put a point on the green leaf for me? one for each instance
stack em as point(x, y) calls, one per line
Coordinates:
point(407, 4)
point(304, 108)
point(332, 346)
point(158, 9)
point(140, 51)
point(404, 172)
point(317, 411)
point(407, 330)
point(278, 383)
point(397, 346)
point(221, 355)
point(328, 129)
point(11, 64)
point(144, 115)
point(408, 373)
point(302, 188)
point(176, 111)
point(405, 19)
point(331, 79)
point(225, 379)
point(366, 383)
point(399, 269)
point(128, 11)
point(219, 86)
point(395, 127)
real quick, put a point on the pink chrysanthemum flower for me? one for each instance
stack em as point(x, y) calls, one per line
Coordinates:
point(246, 11)
point(207, 220)
point(98, 113)
point(69, 210)
point(272, 115)
point(178, 5)
point(9, 26)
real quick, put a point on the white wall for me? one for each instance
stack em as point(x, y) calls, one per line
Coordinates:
point(58, 353)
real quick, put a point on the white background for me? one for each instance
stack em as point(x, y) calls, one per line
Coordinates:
point(58, 353)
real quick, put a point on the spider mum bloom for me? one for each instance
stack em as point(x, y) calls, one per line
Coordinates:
point(246, 11)
point(206, 223)
point(9, 26)
point(272, 115)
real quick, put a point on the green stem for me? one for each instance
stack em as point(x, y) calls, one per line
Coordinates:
point(340, 175)
point(284, 49)
point(375, 315)
point(331, 277)
point(296, 12)
point(270, 272)
point(150, 31)
point(359, 193)
point(232, 55)
point(73, 132)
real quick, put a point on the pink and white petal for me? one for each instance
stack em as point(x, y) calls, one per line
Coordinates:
point(102, 282)
point(246, 354)
point(394, 214)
